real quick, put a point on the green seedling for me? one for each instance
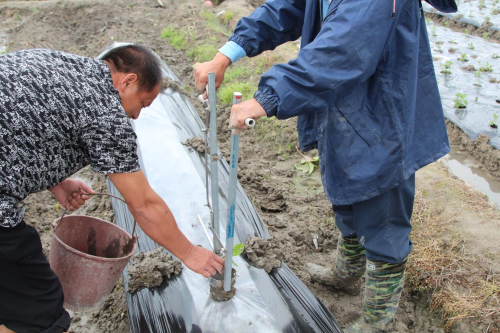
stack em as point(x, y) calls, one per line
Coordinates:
point(493, 123)
point(471, 45)
point(496, 56)
point(460, 101)
point(486, 68)
point(237, 250)
point(486, 35)
point(452, 41)
point(466, 31)
point(434, 31)
point(446, 67)
point(463, 57)
point(307, 164)
point(478, 76)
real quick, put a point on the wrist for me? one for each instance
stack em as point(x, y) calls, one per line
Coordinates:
point(222, 61)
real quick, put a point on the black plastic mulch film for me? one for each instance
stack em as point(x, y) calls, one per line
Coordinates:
point(276, 302)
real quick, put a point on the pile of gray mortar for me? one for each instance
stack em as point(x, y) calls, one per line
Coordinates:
point(264, 253)
point(197, 143)
point(148, 270)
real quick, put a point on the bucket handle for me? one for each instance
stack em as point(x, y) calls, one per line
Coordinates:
point(55, 225)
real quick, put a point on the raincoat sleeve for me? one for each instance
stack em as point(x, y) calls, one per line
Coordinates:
point(345, 53)
point(272, 24)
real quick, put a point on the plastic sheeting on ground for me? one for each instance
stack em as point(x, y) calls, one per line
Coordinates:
point(449, 48)
point(276, 302)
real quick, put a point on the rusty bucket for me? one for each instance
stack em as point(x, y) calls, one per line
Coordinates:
point(88, 255)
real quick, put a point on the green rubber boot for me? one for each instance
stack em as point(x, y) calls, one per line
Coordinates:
point(349, 267)
point(384, 284)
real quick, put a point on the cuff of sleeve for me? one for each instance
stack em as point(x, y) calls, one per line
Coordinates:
point(269, 103)
point(242, 43)
point(233, 51)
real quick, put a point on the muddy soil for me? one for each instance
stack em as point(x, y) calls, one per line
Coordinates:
point(148, 270)
point(291, 203)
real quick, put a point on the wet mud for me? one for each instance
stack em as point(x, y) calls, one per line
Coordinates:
point(217, 292)
point(488, 156)
point(196, 143)
point(148, 270)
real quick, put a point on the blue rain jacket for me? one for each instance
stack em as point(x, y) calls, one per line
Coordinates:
point(363, 88)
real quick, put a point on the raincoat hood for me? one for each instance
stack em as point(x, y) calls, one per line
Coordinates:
point(445, 6)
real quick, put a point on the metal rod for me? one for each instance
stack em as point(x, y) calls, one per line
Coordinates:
point(206, 232)
point(218, 240)
point(233, 179)
point(214, 171)
point(205, 137)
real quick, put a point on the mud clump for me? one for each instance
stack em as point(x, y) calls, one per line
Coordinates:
point(148, 270)
point(264, 253)
point(469, 68)
point(196, 143)
point(217, 292)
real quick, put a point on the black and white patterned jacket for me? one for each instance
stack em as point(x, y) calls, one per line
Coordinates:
point(58, 113)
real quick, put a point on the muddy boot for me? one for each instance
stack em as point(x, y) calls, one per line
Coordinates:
point(349, 266)
point(384, 284)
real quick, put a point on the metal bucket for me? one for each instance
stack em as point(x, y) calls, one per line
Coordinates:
point(88, 255)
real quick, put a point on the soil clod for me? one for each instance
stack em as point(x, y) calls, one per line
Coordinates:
point(197, 143)
point(148, 270)
point(264, 253)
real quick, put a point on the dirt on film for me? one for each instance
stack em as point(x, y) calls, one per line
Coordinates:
point(290, 202)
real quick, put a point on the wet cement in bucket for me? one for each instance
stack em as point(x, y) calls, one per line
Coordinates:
point(148, 270)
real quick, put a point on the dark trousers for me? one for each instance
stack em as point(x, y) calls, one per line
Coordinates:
point(31, 296)
point(381, 224)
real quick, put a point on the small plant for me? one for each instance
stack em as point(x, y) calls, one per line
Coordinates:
point(493, 123)
point(486, 35)
point(466, 31)
point(470, 14)
point(486, 68)
point(446, 23)
point(487, 19)
point(452, 41)
point(463, 57)
point(495, 11)
point(460, 101)
point(307, 163)
point(471, 45)
point(481, 5)
point(478, 78)
point(446, 67)
point(434, 31)
point(496, 56)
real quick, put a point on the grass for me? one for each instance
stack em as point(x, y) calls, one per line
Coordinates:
point(226, 17)
point(203, 53)
point(176, 38)
point(225, 92)
point(460, 286)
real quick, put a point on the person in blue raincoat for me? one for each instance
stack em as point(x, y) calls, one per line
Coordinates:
point(364, 91)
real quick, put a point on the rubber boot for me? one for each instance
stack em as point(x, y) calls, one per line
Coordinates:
point(384, 284)
point(349, 267)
